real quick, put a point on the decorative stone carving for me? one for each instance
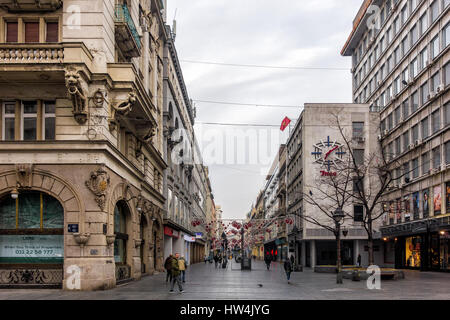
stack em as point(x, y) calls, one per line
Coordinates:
point(138, 243)
point(77, 95)
point(81, 238)
point(122, 108)
point(110, 238)
point(99, 183)
point(24, 175)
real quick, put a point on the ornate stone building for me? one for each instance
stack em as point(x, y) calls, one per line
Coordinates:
point(186, 181)
point(81, 142)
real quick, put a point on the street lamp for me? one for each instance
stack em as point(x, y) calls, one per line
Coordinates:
point(338, 216)
point(14, 193)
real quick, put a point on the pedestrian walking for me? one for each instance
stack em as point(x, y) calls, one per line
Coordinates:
point(182, 265)
point(268, 261)
point(205, 259)
point(359, 260)
point(168, 267)
point(288, 269)
point(176, 274)
point(216, 260)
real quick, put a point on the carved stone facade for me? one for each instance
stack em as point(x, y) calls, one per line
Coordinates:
point(96, 145)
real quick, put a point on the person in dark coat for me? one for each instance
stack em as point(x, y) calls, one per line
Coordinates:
point(168, 267)
point(288, 269)
point(268, 261)
point(359, 260)
point(216, 260)
point(292, 261)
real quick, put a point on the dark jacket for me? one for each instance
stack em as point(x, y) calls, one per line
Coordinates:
point(268, 259)
point(287, 266)
point(168, 263)
point(175, 267)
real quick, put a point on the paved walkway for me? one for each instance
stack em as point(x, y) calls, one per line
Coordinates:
point(204, 282)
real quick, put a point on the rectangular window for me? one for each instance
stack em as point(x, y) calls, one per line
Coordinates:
point(390, 122)
point(406, 172)
point(436, 121)
point(425, 91)
point(447, 114)
point(414, 102)
point(358, 213)
point(397, 113)
point(357, 184)
point(436, 158)
point(405, 107)
point(52, 32)
point(423, 58)
point(12, 32)
point(425, 129)
point(415, 133)
point(425, 163)
point(358, 154)
point(9, 120)
point(31, 31)
point(398, 146)
point(446, 36)
point(405, 45)
point(406, 140)
point(423, 23)
point(415, 168)
point(404, 14)
point(405, 77)
point(414, 68)
point(29, 120)
point(49, 120)
point(447, 74)
point(435, 47)
point(447, 152)
point(397, 56)
point(414, 35)
point(434, 11)
point(435, 82)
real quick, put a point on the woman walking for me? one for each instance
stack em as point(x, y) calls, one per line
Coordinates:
point(288, 269)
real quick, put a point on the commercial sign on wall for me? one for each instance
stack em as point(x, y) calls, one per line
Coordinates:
point(199, 235)
point(31, 248)
point(189, 239)
point(171, 233)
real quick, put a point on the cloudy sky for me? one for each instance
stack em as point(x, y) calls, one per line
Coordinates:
point(286, 33)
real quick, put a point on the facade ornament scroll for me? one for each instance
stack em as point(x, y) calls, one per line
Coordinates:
point(122, 108)
point(77, 95)
point(98, 184)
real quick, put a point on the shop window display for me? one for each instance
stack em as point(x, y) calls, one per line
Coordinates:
point(413, 252)
point(31, 229)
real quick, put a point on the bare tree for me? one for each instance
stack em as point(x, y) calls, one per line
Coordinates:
point(330, 194)
point(372, 173)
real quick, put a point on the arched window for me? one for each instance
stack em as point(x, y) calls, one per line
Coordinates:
point(31, 229)
point(176, 124)
point(120, 230)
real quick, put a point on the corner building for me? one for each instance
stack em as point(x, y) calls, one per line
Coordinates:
point(401, 67)
point(81, 142)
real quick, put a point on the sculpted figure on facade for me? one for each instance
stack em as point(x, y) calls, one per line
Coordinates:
point(77, 95)
point(123, 108)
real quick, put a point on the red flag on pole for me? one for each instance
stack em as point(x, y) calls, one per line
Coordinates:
point(285, 123)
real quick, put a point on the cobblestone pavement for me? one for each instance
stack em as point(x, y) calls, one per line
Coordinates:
point(204, 282)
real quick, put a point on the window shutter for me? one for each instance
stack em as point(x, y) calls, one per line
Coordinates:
point(32, 32)
point(12, 31)
point(52, 32)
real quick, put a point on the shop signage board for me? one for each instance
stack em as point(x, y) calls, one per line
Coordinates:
point(199, 235)
point(72, 228)
point(189, 239)
point(31, 248)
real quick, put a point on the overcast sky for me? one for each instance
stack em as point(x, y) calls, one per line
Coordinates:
point(292, 33)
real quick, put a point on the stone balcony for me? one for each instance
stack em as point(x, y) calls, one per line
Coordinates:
point(127, 36)
point(17, 60)
point(14, 6)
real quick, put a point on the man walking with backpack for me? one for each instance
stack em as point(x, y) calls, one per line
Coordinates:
point(176, 274)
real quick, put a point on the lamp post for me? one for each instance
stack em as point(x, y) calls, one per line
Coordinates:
point(295, 230)
point(338, 216)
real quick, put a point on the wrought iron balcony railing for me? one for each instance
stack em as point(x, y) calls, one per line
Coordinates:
point(127, 30)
